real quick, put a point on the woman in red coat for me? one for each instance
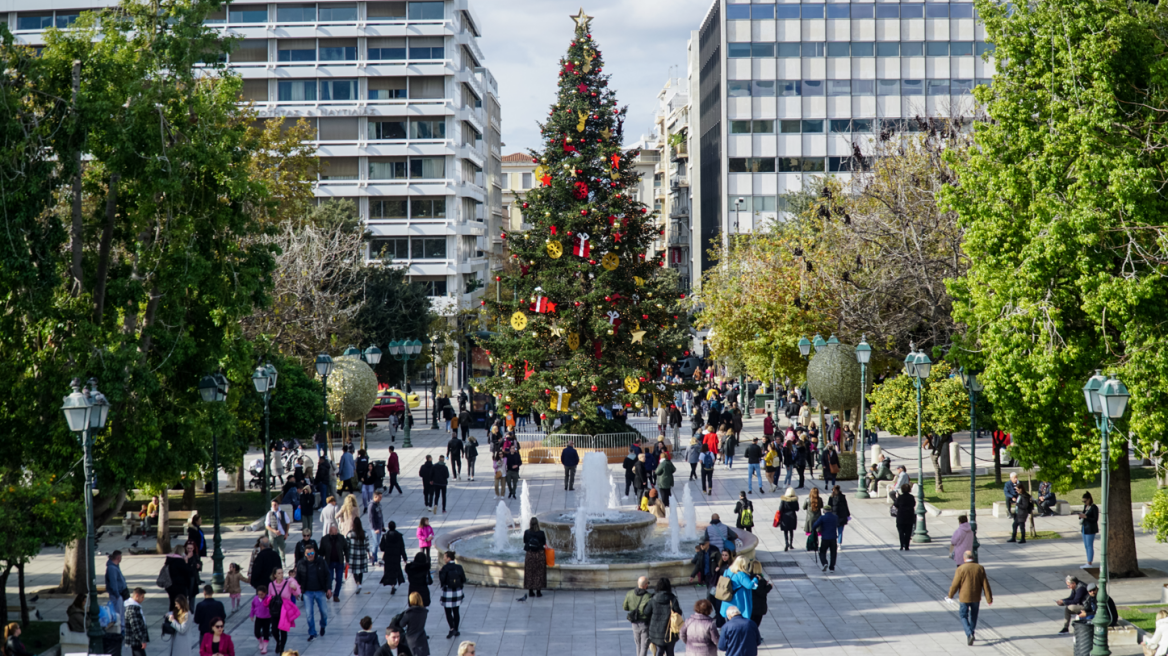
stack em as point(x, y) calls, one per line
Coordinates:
point(711, 440)
point(216, 643)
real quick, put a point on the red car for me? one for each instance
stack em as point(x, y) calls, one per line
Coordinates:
point(387, 404)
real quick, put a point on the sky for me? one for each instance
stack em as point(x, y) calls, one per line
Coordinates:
point(640, 41)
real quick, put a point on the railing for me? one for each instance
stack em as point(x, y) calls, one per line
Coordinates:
point(678, 181)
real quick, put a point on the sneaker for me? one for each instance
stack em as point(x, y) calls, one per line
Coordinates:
point(1087, 566)
point(1064, 630)
point(1021, 541)
point(311, 637)
point(825, 568)
point(358, 588)
point(831, 569)
point(1011, 540)
point(969, 640)
point(322, 631)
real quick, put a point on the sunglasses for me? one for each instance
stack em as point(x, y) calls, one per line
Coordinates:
point(217, 626)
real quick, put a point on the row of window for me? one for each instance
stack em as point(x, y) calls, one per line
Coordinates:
point(418, 207)
point(43, 20)
point(340, 12)
point(794, 88)
point(347, 89)
point(846, 11)
point(791, 165)
point(306, 51)
point(409, 248)
point(347, 128)
point(858, 49)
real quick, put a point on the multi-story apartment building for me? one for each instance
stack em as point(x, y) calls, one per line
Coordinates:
point(672, 123)
point(407, 119)
point(518, 178)
point(782, 90)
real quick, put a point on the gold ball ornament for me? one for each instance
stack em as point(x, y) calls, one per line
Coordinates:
point(610, 331)
point(518, 321)
point(632, 385)
point(555, 249)
point(638, 405)
point(352, 389)
point(573, 342)
point(610, 261)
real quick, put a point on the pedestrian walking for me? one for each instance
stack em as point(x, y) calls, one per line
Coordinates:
point(664, 474)
point(307, 506)
point(426, 473)
point(801, 458)
point(261, 617)
point(707, 470)
point(754, 455)
point(181, 574)
point(393, 467)
point(903, 509)
point(513, 463)
point(661, 612)
point(418, 576)
point(740, 637)
point(1022, 507)
point(358, 554)
point(699, 633)
point(762, 588)
point(961, 541)
point(181, 621)
point(827, 525)
point(393, 551)
point(312, 578)
point(263, 561)
point(839, 505)
point(743, 588)
point(814, 507)
point(831, 466)
point(636, 607)
point(217, 642)
point(744, 510)
point(472, 454)
point(454, 451)
point(137, 636)
point(970, 581)
point(115, 586)
point(376, 527)
point(369, 482)
point(347, 513)
point(440, 479)
point(570, 459)
point(786, 517)
point(452, 579)
point(425, 535)
point(693, 455)
point(305, 542)
point(413, 624)
point(365, 643)
point(1089, 527)
point(499, 465)
point(534, 559)
point(334, 551)
point(207, 610)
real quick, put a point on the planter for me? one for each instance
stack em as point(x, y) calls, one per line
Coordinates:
point(847, 466)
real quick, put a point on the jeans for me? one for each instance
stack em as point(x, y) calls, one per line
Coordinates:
point(828, 479)
point(1019, 523)
point(752, 470)
point(447, 425)
point(366, 495)
point(512, 482)
point(428, 494)
point(1089, 545)
point(693, 471)
point(470, 467)
point(729, 461)
point(968, 613)
point(790, 470)
point(826, 546)
point(641, 637)
point(628, 482)
point(839, 533)
point(440, 491)
point(320, 450)
point(337, 576)
point(315, 597)
point(374, 547)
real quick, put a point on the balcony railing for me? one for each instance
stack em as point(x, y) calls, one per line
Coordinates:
point(678, 181)
point(681, 151)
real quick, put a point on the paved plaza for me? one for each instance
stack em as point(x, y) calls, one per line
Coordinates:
point(879, 601)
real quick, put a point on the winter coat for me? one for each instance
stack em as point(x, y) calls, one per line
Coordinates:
point(413, 623)
point(700, 635)
point(743, 504)
point(665, 474)
point(740, 637)
point(788, 514)
point(184, 637)
point(312, 576)
point(657, 613)
point(569, 457)
point(262, 566)
point(259, 608)
point(393, 547)
point(333, 549)
point(905, 505)
point(962, 541)
point(358, 552)
point(711, 441)
point(440, 475)
point(693, 453)
point(759, 597)
point(425, 536)
point(839, 505)
point(744, 586)
point(812, 515)
point(226, 647)
point(366, 644)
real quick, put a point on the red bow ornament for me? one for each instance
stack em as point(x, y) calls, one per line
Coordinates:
point(581, 191)
point(569, 148)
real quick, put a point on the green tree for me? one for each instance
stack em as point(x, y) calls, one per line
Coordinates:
point(393, 308)
point(611, 330)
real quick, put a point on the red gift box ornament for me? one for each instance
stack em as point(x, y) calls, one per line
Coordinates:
point(614, 319)
point(541, 304)
point(581, 191)
point(582, 247)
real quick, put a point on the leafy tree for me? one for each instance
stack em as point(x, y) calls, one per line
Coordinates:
point(393, 308)
point(610, 330)
point(1063, 202)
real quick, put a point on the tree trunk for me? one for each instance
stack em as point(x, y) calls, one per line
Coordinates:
point(75, 574)
point(997, 465)
point(163, 528)
point(1121, 545)
point(190, 486)
point(24, 618)
point(111, 212)
point(240, 483)
point(4, 593)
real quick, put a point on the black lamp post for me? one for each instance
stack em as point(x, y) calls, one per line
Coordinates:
point(324, 367)
point(918, 366)
point(863, 355)
point(86, 412)
point(264, 380)
point(213, 389)
point(404, 351)
point(973, 386)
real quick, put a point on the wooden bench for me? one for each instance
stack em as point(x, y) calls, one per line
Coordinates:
point(178, 520)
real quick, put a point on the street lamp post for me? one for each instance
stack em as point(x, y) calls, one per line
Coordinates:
point(863, 355)
point(1106, 399)
point(264, 380)
point(404, 351)
point(969, 379)
point(86, 412)
point(434, 385)
point(324, 367)
point(213, 389)
point(917, 366)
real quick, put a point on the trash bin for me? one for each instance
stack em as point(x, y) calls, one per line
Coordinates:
point(1083, 634)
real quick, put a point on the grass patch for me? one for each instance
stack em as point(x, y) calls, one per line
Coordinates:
point(956, 494)
point(1143, 617)
point(235, 507)
point(39, 636)
point(1045, 535)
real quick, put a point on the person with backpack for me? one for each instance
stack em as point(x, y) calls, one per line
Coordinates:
point(664, 619)
point(636, 607)
point(744, 509)
point(839, 505)
point(707, 462)
point(281, 600)
point(1022, 507)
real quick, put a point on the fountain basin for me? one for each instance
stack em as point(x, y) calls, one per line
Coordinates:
point(507, 570)
point(610, 532)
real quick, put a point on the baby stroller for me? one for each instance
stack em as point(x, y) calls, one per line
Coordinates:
point(256, 471)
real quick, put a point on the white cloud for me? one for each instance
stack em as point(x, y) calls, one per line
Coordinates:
point(640, 40)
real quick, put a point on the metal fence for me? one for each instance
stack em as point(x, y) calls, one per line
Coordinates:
point(541, 448)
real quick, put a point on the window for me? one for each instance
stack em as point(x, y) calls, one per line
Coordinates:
point(432, 287)
point(254, 91)
point(338, 90)
point(250, 50)
point(863, 87)
point(762, 12)
point(752, 165)
point(738, 12)
point(296, 90)
point(812, 126)
point(980, 48)
point(390, 10)
point(912, 49)
point(762, 50)
point(938, 87)
point(841, 164)
point(41, 20)
point(961, 87)
point(388, 208)
point(788, 49)
point(961, 10)
point(427, 128)
point(839, 48)
point(790, 88)
point(838, 11)
point(763, 204)
point(800, 164)
point(812, 11)
point(912, 88)
point(427, 88)
point(387, 130)
point(296, 13)
point(912, 11)
point(387, 49)
point(737, 50)
point(961, 48)
point(787, 11)
point(426, 11)
point(936, 10)
point(887, 11)
point(984, 82)
point(526, 181)
point(861, 125)
point(427, 168)
point(862, 11)
point(812, 87)
point(338, 129)
point(296, 50)
point(338, 168)
point(764, 127)
point(428, 248)
point(428, 208)
point(338, 13)
point(790, 126)
point(888, 87)
point(387, 88)
point(247, 14)
point(840, 126)
point(396, 249)
point(863, 49)
point(888, 49)
point(387, 168)
point(839, 87)
point(65, 19)
point(738, 88)
point(338, 50)
point(813, 49)
point(427, 47)
point(762, 88)
point(216, 17)
point(739, 127)
point(937, 48)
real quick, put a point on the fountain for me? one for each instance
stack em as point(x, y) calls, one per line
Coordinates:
point(607, 531)
point(613, 496)
point(502, 526)
point(691, 514)
point(581, 531)
point(524, 508)
point(674, 532)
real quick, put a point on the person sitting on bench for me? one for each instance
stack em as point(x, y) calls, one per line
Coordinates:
point(1046, 499)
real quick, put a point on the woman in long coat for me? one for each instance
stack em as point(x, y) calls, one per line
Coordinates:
point(787, 517)
point(814, 507)
point(418, 574)
point(393, 552)
point(182, 621)
point(535, 560)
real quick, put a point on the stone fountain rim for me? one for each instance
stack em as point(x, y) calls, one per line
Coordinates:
point(646, 519)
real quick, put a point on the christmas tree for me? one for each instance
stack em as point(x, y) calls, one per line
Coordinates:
point(592, 319)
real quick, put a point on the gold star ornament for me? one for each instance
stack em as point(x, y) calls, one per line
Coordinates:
point(638, 335)
point(582, 20)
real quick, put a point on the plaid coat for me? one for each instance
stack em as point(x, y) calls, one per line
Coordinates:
point(136, 632)
point(358, 553)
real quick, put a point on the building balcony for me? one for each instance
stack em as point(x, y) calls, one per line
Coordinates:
point(678, 182)
point(681, 151)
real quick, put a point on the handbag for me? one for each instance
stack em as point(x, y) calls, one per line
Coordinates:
point(725, 589)
point(124, 594)
point(550, 554)
point(813, 542)
point(835, 469)
point(168, 628)
point(163, 580)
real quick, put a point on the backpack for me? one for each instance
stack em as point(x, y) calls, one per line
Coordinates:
point(637, 614)
point(163, 580)
point(725, 589)
point(276, 603)
point(707, 460)
point(747, 517)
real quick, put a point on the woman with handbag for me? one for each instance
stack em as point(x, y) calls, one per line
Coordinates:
point(741, 588)
point(718, 569)
point(814, 507)
point(839, 505)
point(451, 578)
point(179, 623)
point(787, 517)
point(282, 610)
point(831, 466)
point(659, 615)
point(535, 560)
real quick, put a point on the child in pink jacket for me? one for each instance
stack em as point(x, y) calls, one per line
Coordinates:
point(263, 619)
point(425, 536)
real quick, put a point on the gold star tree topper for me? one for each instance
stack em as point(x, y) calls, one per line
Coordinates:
point(582, 20)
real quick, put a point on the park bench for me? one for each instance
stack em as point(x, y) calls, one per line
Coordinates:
point(178, 520)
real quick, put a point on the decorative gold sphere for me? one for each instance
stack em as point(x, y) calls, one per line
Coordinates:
point(610, 331)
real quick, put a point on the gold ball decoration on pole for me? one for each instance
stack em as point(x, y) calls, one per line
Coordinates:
point(352, 389)
point(834, 377)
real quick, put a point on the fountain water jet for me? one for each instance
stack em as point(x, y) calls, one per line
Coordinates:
point(613, 496)
point(525, 513)
point(502, 526)
point(691, 514)
point(674, 532)
point(580, 531)
point(596, 491)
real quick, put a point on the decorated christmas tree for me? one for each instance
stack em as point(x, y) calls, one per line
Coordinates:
point(593, 319)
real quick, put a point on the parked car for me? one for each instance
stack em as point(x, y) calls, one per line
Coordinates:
point(386, 405)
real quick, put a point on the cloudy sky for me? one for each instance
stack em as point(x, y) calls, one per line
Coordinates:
point(640, 41)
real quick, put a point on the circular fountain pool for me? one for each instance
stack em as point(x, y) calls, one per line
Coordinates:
point(612, 531)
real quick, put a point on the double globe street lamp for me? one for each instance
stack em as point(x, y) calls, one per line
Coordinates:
point(324, 367)
point(213, 389)
point(918, 366)
point(403, 352)
point(1106, 399)
point(264, 380)
point(973, 385)
point(863, 355)
point(86, 412)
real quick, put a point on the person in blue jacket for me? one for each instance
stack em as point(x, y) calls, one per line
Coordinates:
point(743, 584)
point(828, 527)
point(740, 637)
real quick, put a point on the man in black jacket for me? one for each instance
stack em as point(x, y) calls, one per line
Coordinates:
point(464, 422)
point(426, 473)
point(570, 460)
point(513, 461)
point(334, 550)
point(1073, 604)
point(454, 451)
point(304, 545)
point(208, 609)
point(313, 577)
point(753, 455)
point(439, 479)
point(267, 560)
